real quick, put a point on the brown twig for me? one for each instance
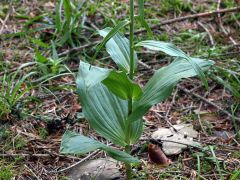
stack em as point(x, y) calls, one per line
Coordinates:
point(159, 141)
point(166, 119)
point(168, 111)
point(208, 102)
point(77, 163)
point(46, 155)
point(208, 32)
point(26, 155)
point(192, 16)
point(218, 144)
point(199, 117)
point(196, 95)
point(32, 172)
point(78, 48)
point(6, 18)
point(171, 104)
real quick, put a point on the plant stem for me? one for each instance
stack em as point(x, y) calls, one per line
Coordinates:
point(128, 147)
point(130, 102)
point(131, 39)
point(127, 165)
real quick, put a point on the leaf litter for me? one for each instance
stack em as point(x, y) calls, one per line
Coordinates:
point(42, 155)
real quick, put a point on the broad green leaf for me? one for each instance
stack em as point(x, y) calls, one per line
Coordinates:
point(74, 143)
point(120, 155)
point(142, 17)
point(165, 47)
point(91, 75)
point(110, 34)
point(122, 86)
point(105, 112)
point(118, 48)
point(172, 50)
point(136, 130)
point(160, 86)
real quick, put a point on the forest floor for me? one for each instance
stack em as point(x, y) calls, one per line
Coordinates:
point(38, 98)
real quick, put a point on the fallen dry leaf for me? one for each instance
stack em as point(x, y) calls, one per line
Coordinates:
point(157, 156)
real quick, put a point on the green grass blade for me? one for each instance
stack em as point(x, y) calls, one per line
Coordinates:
point(236, 175)
point(38, 42)
point(198, 167)
point(67, 11)
point(53, 77)
point(58, 16)
point(18, 85)
point(54, 50)
point(142, 18)
point(216, 161)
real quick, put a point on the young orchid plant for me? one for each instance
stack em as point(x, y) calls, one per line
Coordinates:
point(113, 103)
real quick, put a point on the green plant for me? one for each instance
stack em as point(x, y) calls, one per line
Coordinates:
point(13, 89)
point(51, 66)
point(175, 5)
point(6, 172)
point(68, 21)
point(65, 24)
point(235, 175)
point(216, 161)
point(11, 141)
point(113, 103)
point(19, 143)
point(207, 161)
point(230, 79)
point(42, 133)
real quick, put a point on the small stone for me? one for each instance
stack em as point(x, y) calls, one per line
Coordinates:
point(175, 142)
point(98, 169)
point(186, 129)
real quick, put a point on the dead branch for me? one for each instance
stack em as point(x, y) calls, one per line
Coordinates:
point(77, 163)
point(32, 172)
point(192, 16)
point(37, 155)
point(26, 155)
point(208, 102)
point(78, 48)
